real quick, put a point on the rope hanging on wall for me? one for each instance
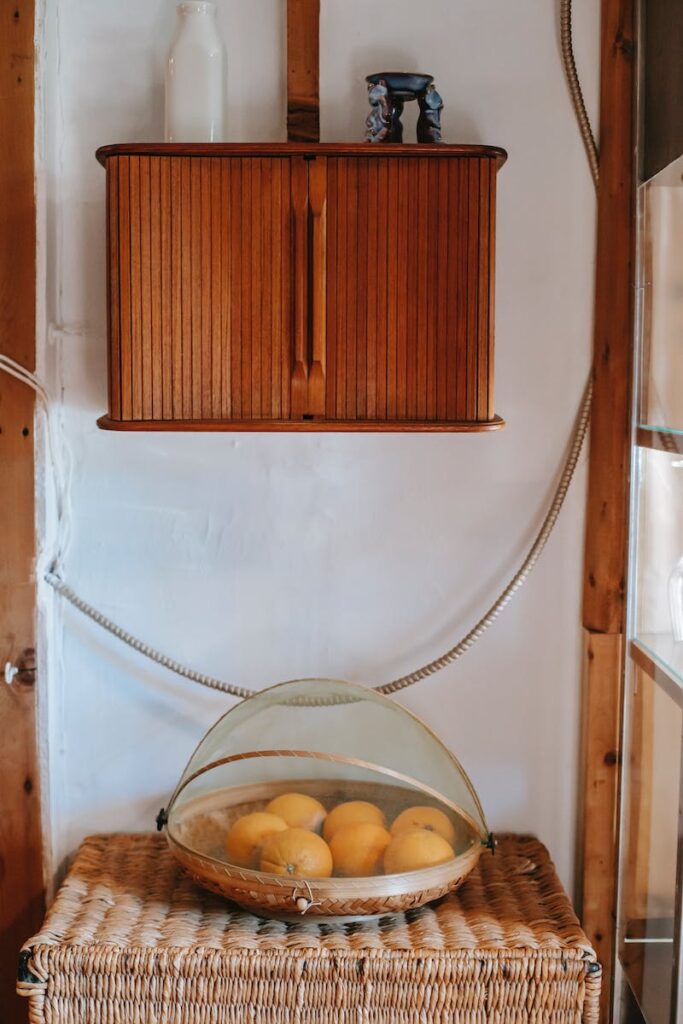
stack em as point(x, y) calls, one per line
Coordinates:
point(520, 577)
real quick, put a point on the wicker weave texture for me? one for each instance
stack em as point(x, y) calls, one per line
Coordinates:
point(130, 940)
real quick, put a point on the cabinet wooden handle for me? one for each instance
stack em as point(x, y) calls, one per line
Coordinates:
point(317, 192)
point(299, 186)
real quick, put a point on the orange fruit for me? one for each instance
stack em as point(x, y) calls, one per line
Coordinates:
point(358, 850)
point(415, 849)
point(298, 810)
point(351, 813)
point(430, 818)
point(246, 837)
point(298, 853)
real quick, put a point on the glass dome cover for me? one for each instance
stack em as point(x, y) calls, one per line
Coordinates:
point(326, 742)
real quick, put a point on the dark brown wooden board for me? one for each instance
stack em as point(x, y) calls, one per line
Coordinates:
point(291, 149)
point(21, 874)
point(662, 84)
point(303, 70)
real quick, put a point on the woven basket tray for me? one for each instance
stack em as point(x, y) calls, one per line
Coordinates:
point(197, 834)
point(131, 940)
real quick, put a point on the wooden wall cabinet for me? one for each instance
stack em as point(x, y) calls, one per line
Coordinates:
point(299, 287)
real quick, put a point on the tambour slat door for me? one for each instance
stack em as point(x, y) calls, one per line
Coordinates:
point(200, 288)
point(409, 289)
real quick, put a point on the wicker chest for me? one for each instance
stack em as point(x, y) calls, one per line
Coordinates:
point(130, 940)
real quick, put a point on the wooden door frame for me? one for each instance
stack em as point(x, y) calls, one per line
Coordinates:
point(607, 510)
point(21, 853)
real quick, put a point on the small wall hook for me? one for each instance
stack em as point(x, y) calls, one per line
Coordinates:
point(24, 672)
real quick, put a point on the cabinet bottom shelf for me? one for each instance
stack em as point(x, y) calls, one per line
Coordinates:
point(307, 425)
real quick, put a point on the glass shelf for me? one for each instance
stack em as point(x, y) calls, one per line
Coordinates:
point(661, 658)
point(658, 547)
point(662, 439)
point(661, 271)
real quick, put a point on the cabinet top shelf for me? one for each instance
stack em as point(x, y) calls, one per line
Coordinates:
point(284, 149)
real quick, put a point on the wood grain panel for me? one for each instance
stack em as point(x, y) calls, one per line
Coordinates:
point(601, 761)
point(113, 308)
point(458, 287)
point(441, 292)
point(338, 202)
point(380, 301)
point(405, 181)
point(134, 216)
point(317, 191)
point(299, 204)
point(234, 287)
point(351, 271)
point(208, 267)
point(490, 410)
point(265, 274)
point(361, 291)
point(215, 272)
point(166, 262)
point(484, 323)
point(421, 286)
point(431, 274)
point(271, 283)
point(21, 864)
point(227, 273)
point(197, 289)
point(156, 292)
point(186, 294)
point(331, 294)
point(176, 283)
point(123, 314)
point(252, 337)
point(278, 335)
point(146, 347)
point(199, 281)
point(409, 286)
point(371, 304)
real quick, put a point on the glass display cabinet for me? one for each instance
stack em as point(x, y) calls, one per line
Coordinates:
point(651, 847)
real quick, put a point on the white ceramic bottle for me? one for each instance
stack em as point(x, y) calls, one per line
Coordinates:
point(195, 77)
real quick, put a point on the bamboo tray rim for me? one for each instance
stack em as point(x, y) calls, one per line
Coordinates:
point(370, 885)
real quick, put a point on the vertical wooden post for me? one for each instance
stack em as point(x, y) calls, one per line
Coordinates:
point(607, 504)
point(21, 881)
point(303, 70)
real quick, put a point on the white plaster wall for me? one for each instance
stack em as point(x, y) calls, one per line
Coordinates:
point(262, 558)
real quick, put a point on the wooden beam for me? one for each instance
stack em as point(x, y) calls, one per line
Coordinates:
point(607, 511)
point(605, 560)
point(303, 70)
point(601, 702)
point(21, 876)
